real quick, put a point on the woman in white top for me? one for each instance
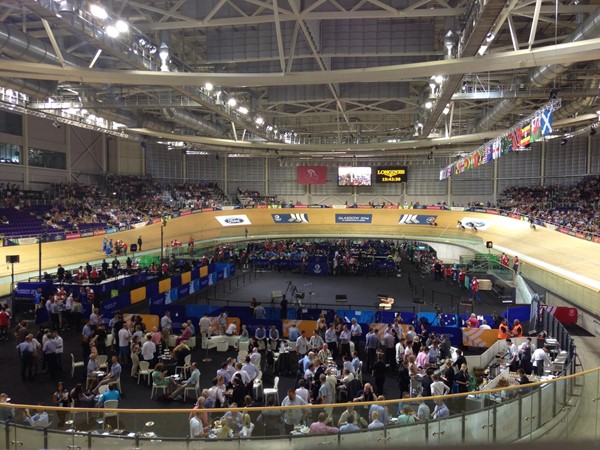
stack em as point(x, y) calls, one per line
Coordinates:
point(247, 427)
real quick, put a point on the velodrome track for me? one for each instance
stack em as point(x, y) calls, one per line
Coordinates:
point(564, 254)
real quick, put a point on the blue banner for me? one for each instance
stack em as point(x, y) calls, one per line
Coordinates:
point(290, 218)
point(317, 265)
point(416, 219)
point(353, 218)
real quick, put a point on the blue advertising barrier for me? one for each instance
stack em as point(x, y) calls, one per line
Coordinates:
point(171, 296)
point(454, 333)
point(361, 316)
point(522, 313)
point(27, 290)
point(109, 307)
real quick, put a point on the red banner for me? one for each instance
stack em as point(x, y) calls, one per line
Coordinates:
point(73, 236)
point(311, 174)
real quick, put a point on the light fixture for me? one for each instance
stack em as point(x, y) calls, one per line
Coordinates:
point(112, 31)
point(122, 26)
point(428, 104)
point(209, 87)
point(232, 102)
point(489, 37)
point(142, 40)
point(163, 54)
point(243, 110)
point(439, 79)
point(98, 11)
point(259, 120)
point(446, 110)
point(152, 49)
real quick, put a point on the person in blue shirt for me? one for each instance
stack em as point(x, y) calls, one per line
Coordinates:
point(350, 425)
point(293, 333)
point(112, 393)
point(190, 382)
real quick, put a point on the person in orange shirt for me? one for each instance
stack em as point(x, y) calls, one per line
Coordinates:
point(517, 330)
point(503, 331)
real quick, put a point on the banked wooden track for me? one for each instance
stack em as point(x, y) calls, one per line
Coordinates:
point(541, 246)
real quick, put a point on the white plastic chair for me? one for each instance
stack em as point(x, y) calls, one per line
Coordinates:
point(101, 362)
point(144, 371)
point(111, 404)
point(257, 385)
point(195, 389)
point(187, 365)
point(156, 388)
point(75, 364)
point(267, 392)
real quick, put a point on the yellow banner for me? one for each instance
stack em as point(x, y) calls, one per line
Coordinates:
point(186, 277)
point(164, 285)
point(309, 326)
point(477, 337)
point(203, 271)
point(138, 295)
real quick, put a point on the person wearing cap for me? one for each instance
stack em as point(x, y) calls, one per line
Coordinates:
point(7, 413)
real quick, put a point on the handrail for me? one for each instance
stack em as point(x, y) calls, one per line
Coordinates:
point(310, 406)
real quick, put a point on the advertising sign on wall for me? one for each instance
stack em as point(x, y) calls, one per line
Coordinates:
point(391, 174)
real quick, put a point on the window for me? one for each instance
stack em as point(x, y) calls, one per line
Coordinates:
point(11, 123)
point(47, 158)
point(10, 153)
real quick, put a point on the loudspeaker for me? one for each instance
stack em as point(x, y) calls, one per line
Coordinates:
point(133, 248)
point(10, 259)
point(489, 244)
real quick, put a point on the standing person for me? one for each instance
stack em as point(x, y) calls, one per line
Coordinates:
point(345, 342)
point(541, 358)
point(302, 345)
point(25, 350)
point(355, 334)
point(371, 344)
point(205, 326)
point(503, 332)
point(293, 417)
point(124, 349)
point(4, 324)
point(49, 349)
point(389, 342)
point(222, 319)
point(166, 326)
point(331, 339)
point(61, 399)
point(59, 350)
point(516, 264)
point(139, 242)
point(475, 290)
point(504, 260)
point(525, 352)
point(517, 330)
point(379, 374)
point(284, 308)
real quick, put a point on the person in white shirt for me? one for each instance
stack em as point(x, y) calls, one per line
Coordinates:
point(484, 325)
point(166, 325)
point(355, 333)
point(356, 362)
point(250, 369)
point(302, 392)
point(124, 350)
point(148, 349)
point(438, 387)
point(541, 357)
point(196, 426)
point(255, 357)
point(205, 326)
point(243, 374)
point(302, 344)
point(231, 329)
point(316, 342)
point(247, 426)
point(400, 352)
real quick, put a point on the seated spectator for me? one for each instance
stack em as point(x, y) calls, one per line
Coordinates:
point(321, 427)
point(111, 394)
point(38, 420)
point(375, 422)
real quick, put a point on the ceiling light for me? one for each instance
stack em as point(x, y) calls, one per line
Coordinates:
point(428, 104)
point(439, 79)
point(259, 120)
point(483, 48)
point(232, 102)
point(163, 53)
point(122, 26)
point(142, 40)
point(112, 31)
point(243, 110)
point(489, 37)
point(209, 87)
point(98, 11)
point(152, 49)
point(446, 110)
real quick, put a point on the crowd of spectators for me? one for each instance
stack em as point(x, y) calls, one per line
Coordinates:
point(121, 201)
point(253, 198)
point(573, 207)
